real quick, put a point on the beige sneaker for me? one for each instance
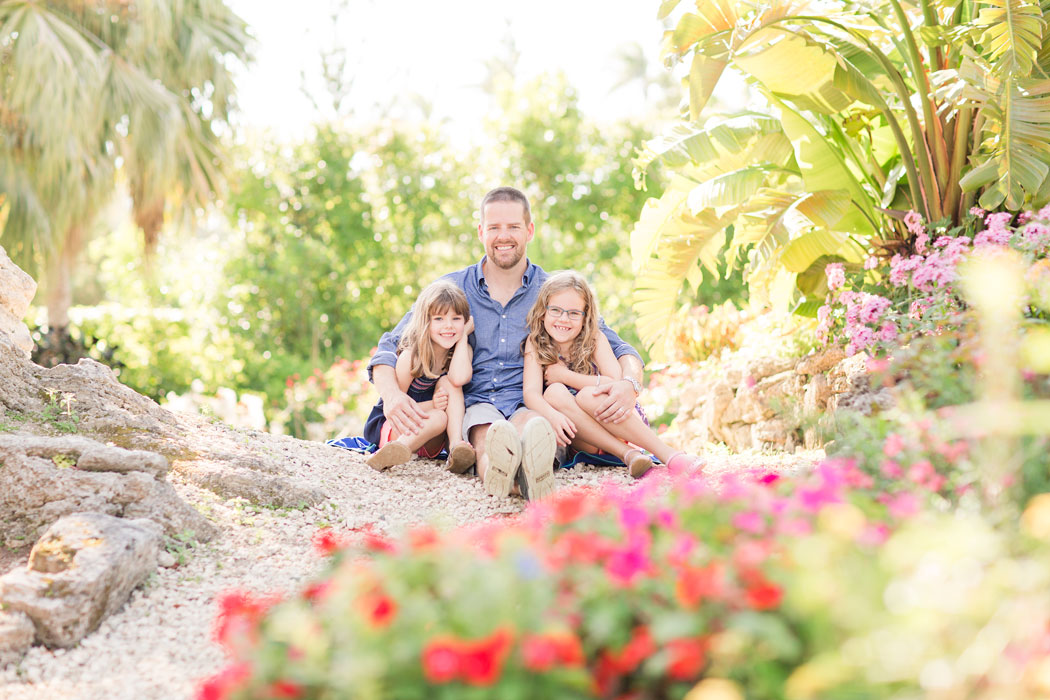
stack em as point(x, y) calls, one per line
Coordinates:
point(503, 447)
point(538, 445)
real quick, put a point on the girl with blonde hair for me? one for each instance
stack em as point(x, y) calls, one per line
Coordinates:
point(566, 359)
point(433, 363)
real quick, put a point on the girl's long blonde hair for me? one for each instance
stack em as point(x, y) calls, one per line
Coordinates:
point(581, 353)
point(439, 297)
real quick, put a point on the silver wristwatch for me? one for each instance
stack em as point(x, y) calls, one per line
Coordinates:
point(637, 385)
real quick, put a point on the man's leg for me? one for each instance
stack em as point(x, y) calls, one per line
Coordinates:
point(535, 479)
point(497, 446)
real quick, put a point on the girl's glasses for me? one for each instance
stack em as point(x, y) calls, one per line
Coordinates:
point(558, 312)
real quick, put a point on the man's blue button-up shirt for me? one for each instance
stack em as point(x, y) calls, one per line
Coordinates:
point(498, 335)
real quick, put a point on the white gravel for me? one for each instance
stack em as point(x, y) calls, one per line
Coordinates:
point(159, 645)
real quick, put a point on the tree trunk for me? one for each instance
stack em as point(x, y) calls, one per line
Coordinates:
point(149, 216)
point(60, 278)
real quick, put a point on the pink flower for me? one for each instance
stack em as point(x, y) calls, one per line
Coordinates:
point(893, 445)
point(749, 521)
point(914, 222)
point(891, 469)
point(921, 471)
point(888, 332)
point(903, 505)
point(871, 263)
point(977, 211)
point(836, 275)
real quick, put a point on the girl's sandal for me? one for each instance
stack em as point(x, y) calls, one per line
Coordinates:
point(681, 460)
point(389, 455)
point(638, 463)
point(460, 458)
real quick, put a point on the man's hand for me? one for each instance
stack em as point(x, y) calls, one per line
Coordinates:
point(441, 399)
point(618, 403)
point(556, 373)
point(564, 429)
point(405, 414)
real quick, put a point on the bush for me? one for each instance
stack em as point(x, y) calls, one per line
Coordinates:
point(672, 587)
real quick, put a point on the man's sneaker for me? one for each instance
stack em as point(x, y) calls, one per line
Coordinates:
point(503, 448)
point(538, 444)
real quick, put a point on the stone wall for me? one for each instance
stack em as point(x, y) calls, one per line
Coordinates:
point(771, 402)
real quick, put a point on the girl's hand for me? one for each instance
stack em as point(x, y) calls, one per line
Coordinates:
point(469, 327)
point(564, 430)
point(441, 399)
point(556, 373)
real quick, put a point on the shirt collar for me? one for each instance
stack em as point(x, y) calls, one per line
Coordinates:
point(526, 277)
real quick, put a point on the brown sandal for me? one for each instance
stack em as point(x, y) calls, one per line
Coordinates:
point(460, 458)
point(638, 463)
point(389, 455)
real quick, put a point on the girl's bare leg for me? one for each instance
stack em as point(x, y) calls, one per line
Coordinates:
point(633, 429)
point(590, 434)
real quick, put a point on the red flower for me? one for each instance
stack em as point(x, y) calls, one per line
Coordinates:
point(696, 583)
point(316, 591)
point(441, 659)
point(326, 542)
point(219, 686)
point(483, 662)
point(285, 689)
point(637, 650)
point(543, 652)
point(570, 506)
point(478, 662)
point(763, 594)
point(377, 543)
point(422, 538)
point(239, 617)
point(687, 658)
point(378, 609)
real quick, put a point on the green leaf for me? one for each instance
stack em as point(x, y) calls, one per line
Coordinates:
point(666, 8)
point(1013, 34)
point(807, 308)
point(727, 190)
point(704, 74)
point(800, 253)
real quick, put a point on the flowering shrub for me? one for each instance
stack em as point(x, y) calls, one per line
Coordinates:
point(701, 332)
point(674, 586)
point(335, 401)
point(918, 295)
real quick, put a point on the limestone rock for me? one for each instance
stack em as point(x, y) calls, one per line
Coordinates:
point(815, 398)
point(88, 455)
point(42, 482)
point(820, 361)
point(762, 367)
point(230, 481)
point(81, 571)
point(16, 292)
point(16, 636)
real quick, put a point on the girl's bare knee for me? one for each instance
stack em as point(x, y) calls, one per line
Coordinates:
point(558, 395)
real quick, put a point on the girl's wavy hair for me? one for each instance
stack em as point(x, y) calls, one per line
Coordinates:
point(437, 298)
point(581, 353)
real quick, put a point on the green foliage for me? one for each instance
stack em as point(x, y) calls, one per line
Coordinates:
point(864, 117)
point(181, 546)
point(58, 411)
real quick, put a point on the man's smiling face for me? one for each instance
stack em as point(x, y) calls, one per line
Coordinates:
point(504, 233)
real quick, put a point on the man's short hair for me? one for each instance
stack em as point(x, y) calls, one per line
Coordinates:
point(506, 194)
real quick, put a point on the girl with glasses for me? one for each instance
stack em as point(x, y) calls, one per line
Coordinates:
point(566, 359)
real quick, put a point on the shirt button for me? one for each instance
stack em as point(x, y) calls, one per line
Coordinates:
point(504, 315)
point(502, 340)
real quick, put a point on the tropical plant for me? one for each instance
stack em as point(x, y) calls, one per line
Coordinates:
point(872, 109)
point(136, 89)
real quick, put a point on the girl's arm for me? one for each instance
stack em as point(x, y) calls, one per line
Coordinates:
point(459, 368)
point(403, 368)
point(532, 389)
point(608, 369)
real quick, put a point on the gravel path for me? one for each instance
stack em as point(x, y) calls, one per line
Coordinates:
point(159, 645)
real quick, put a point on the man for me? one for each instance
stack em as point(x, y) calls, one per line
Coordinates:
point(512, 443)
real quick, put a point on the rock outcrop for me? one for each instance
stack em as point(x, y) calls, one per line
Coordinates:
point(82, 570)
point(773, 402)
point(44, 479)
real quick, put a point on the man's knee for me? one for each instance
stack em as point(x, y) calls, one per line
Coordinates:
point(476, 436)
